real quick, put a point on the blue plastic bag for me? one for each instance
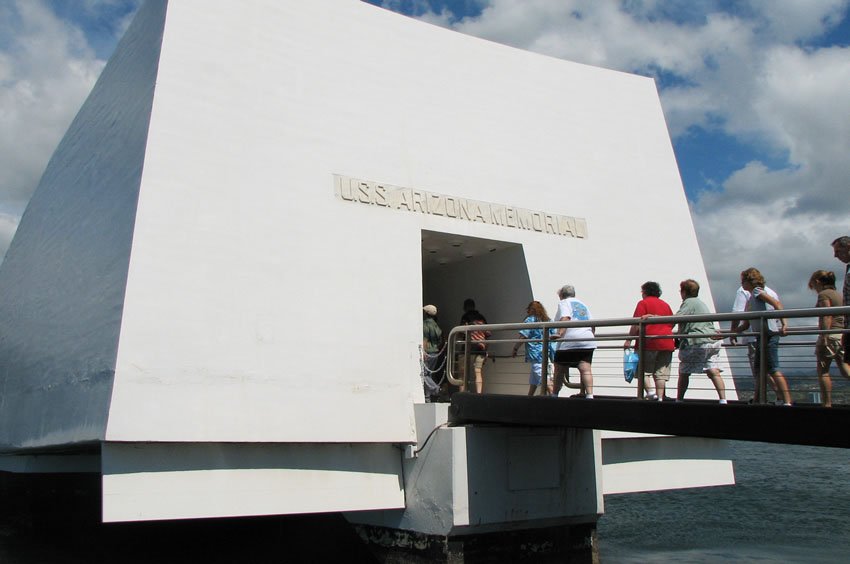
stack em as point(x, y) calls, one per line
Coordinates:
point(630, 364)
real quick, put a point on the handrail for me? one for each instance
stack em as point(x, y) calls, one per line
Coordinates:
point(815, 312)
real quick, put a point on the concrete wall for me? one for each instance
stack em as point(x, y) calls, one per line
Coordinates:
point(177, 481)
point(261, 307)
point(63, 280)
point(472, 480)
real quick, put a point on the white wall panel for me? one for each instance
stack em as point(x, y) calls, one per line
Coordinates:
point(260, 307)
point(62, 281)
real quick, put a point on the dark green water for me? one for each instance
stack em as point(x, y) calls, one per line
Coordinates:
point(790, 504)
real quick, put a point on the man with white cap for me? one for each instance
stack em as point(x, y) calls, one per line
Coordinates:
point(432, 338)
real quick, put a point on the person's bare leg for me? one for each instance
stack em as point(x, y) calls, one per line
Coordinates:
point(841, 361)
point(586, 375)
point(560, 376)
point(782, 387)
point(684, 380)
point(660, 388)
point(479, 378)
point(824, 379)
point(775, 387)
point(825, 388)
point(648, 386)
point(841, 357)
point(717, 380)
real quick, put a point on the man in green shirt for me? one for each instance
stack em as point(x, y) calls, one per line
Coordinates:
point(432, 339)
point(699, 351)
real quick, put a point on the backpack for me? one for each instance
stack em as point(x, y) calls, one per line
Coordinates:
point(479, 338)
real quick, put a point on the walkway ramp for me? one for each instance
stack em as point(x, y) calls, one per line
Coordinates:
point(799, 424)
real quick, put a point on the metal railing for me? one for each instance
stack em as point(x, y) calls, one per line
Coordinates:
point(460, 342)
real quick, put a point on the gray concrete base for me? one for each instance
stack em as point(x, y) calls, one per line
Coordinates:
point(574, 544)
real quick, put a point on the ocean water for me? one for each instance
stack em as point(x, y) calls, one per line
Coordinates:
point(789, 504)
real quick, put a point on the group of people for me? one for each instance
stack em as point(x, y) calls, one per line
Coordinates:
point(433, 348)
point(573, 347)
point(698, 342)
point(831, 344)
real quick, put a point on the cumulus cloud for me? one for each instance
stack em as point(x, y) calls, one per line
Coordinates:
point(782, 220)
point(46, 71)
point(749, 70)
point(754, 74)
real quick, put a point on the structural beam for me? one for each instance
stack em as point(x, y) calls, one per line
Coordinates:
point(800, 424)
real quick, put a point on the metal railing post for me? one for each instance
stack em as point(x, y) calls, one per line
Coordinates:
point(467, 362)
point(461, 336)
point(544, 370)
point(762, 383)
point(641, 392)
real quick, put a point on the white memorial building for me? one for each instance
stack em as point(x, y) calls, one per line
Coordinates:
point(214, 298)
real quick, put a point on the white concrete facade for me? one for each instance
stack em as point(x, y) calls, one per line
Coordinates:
point(186, 272)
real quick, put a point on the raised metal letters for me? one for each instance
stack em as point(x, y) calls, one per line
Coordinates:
point(419, 201)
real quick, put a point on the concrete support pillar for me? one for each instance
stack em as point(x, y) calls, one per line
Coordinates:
point(488, 493)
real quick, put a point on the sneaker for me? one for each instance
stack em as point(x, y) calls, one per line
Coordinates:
point(652, 397)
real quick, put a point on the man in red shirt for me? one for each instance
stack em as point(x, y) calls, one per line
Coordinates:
point(657, 352)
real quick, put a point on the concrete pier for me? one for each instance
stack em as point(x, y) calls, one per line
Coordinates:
point(563, 544)
point(480, 493)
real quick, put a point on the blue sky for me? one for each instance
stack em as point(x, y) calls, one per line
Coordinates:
point(754, 93)
point(101, 22)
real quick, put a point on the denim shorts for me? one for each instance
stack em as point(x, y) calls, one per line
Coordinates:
point(772, 355)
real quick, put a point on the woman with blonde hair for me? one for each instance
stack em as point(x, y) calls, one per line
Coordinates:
point(828, 346)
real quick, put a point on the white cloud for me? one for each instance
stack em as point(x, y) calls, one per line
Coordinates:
point(8, 225)
point(783, 221)
point(747, 74)
point(46, 71)
point(792, 20)
point(751, 224)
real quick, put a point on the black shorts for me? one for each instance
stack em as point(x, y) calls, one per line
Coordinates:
point(571, 357)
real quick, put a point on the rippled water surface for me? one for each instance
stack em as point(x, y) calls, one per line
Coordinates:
point(790, 504)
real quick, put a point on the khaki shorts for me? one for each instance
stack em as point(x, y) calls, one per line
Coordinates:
point(657, 363)
point(478, 361)
point(827, 349)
